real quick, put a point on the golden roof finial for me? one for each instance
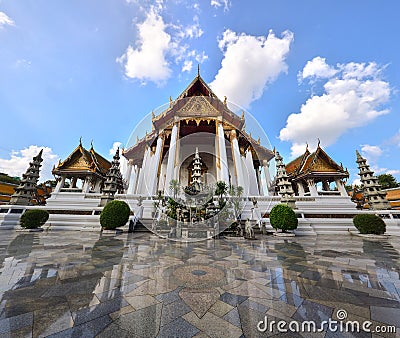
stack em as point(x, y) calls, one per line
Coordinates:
point(170, 101)
point(152, 114)
point(80, 141)
point(198, 69)
point(258, 140)
point(91, 144)
point(137, 139)
point(225, 100)
point(242, 115)
point(319, 142)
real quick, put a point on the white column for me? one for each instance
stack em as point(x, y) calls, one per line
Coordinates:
point(133, 180)
point(259, 183)
point(253, 191)
point(86, 185)
point(156, 165)
point(171, 158)
point(128, 173)
point(268, 180)
point(135, 185)
point(300, 188)
point(237, 163)
point(222, 160)
point(143, 183)
point(312, 187)
point(341, 187)
point(60, 184)
point(97, 186)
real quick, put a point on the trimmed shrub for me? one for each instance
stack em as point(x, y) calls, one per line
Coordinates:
point(369, 224)
point(283, 217)
point(115, 214)
point(33, 219)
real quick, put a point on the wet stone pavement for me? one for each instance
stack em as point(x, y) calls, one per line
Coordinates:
point(78, 284)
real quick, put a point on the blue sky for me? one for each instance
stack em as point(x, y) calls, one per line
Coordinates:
point(304, 69)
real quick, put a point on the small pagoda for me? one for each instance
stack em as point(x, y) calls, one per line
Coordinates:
point(25, 192)
point(285, 189)
point(196, 182)
point(113, 183)
point(375, 197)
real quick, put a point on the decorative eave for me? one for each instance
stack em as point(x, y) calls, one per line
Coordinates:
point(309, 165)
point(90, 163)
point(195, 99)
point(136, 153)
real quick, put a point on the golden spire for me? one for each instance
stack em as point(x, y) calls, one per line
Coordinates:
point(170, 101)
point(198, 70)
point(242, 115)
point(152, 114)
point(80, 141)
point(225, 100)
point(258, 140)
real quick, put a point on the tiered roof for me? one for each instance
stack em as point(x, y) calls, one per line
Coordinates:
point(315, 164)
point(83, 161)
point(196, 102)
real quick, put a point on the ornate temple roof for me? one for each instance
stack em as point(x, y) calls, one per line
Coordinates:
point(197, 103)
point(315, 164)
point(83, 161)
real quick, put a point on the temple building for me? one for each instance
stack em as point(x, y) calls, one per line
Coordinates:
point(197, 119)
point(182, 177)
point(82, 171)
point(316, 174)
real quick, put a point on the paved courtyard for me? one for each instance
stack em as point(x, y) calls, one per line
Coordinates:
point(73, 284)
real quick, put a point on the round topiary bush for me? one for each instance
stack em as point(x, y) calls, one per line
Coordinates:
point(283, 217)
point(369, 224)
point(115, 214)
point(33, 219)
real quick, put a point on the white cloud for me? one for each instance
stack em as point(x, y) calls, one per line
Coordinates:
point(352, 97)
point(317, 68)
point(371, 153)
point(220, 3)
point(249, 64)
point(114, 148)
point(19, 160)
point(193, 31)
point(187, 66)
point(148, 61)
point(160, 44)
point(5, 20)
point(393, 172)
point(395, 139)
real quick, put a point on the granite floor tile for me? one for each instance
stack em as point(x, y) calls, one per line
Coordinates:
point(178, 328)
point(139, 284)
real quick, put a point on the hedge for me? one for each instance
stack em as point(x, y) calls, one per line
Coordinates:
point(283, 217)
point(115, 214)
point(369, 224)
point(32, 219)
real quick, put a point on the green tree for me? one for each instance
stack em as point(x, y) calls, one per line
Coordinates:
point(221, 189)
point(387, 181)
point(175, 187)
